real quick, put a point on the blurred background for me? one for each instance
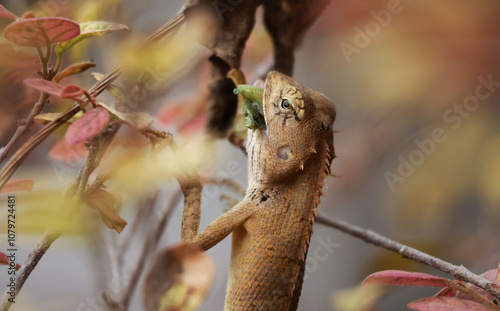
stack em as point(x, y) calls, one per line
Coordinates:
point(416, 85)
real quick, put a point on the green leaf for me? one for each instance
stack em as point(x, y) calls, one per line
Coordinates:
point(88, 30)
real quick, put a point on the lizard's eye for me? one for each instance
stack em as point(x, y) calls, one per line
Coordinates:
point(285, 103)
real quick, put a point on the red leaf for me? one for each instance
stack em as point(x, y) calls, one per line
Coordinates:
point(169, 114)
point(55, 89)
point(446, 304)
point(446, 292)
point(45, 86)
point(105, 203)
point(491, 276)
point(88, 126)
point(20, 184)
point(193, 126)
point(69, 155)
point(43, 31)
point(72, 92)
point(397, 277)
point(3, 259)
point(7, 14)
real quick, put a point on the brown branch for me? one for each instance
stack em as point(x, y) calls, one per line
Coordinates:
point(458, 272)
point(48, 237)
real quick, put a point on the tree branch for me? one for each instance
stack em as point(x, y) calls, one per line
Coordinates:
point(48, 237)
point(458, 272)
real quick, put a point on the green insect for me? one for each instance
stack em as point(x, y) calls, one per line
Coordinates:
point(254, 118)
point(252, 107)
point(252, 93)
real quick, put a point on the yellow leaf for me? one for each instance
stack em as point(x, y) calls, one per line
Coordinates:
point(359, 298)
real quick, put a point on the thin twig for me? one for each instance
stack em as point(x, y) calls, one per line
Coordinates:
point(96, 184)
point(48, 237)
point(149, 246)
point(458, 272)
point(144, 210)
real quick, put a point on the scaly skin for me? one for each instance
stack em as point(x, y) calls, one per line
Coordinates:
point(272, 226)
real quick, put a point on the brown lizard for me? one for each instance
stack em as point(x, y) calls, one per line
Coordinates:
point(272, 226)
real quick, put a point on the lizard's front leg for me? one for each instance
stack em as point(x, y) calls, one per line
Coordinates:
point(219, 228)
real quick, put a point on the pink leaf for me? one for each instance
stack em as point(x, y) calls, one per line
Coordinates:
point(446, 292)
point(45, 86)
point(20, 184)
point(446, 304)
point(498, 274)
point(193, 126)
point(88, 126)
point(68, 155)
point(43, 31)
point(491, 276)
point(72, 92)
point(105, 203)
point(55, 89)
point(4, 260)
point(397, 277)
point(7, 14)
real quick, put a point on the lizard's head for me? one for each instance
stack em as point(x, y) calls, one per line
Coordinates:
point(299, 130)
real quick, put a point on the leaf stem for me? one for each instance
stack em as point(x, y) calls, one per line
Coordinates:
point(58, 64)
point(43, 62)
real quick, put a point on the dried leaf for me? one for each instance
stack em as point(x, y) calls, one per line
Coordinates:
point(43, 31)
point(88, 126)
point(179, 279)
point(6, 13)
point(139, 120)
point(88, 30)
point(45, 118)
point(446, 304)
point(396, 277)
point(115, 88)
point(73, 70)
point(105, 203)
point(19, 184)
